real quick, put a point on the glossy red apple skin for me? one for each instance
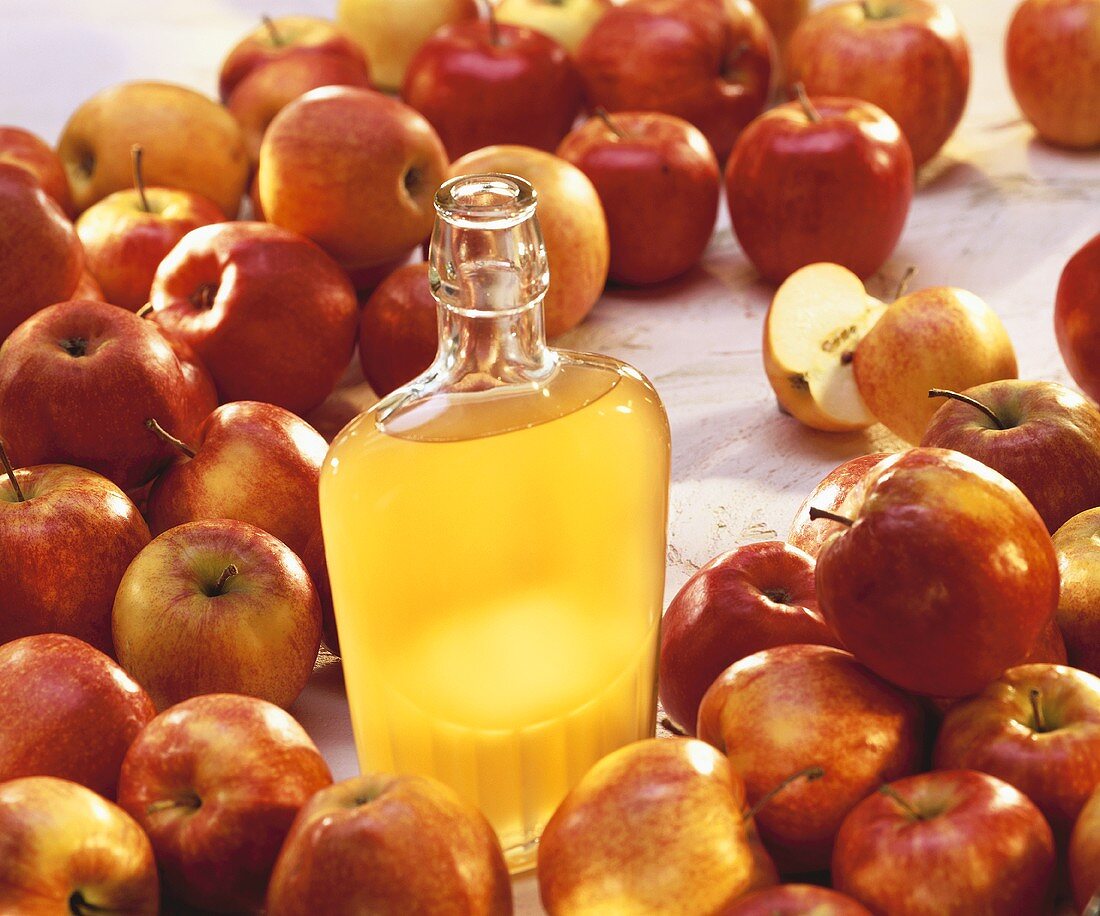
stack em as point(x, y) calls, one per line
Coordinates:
point(271, 316)
point(41, 260)
point(981, 847)
point(659, 183)
point(1055, 762)
point(849, 49)
point(238, 770)
point(917, 575)
point(411, 843)
point(66, 548)
point(1077, 317)
point(481, 85)
point(1084, 853)
point(796, 900)
point(64, 849)
point(398, 329)
point(786, 709)
point(200, 397)
point(755, 597)
point(710, 62)
point(1048, 443)
point(29, 151)
point(69, 712)
point(837, 189)
point(808, 535)
point(110, 371)
point(1077, 545)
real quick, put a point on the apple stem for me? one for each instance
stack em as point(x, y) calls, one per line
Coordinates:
point(810, 774)
point(604, 115)
point(272, 31)
point(903, 283)
point(145, 311)
point(666, 722)
point(966, 399)
point(1036, 697)
point(228, 573)
point(10, 471)
point(166, 436)
point(816, 514)
point(166, 803)
point(893, 795)
point(807, 106)
point(494, 27)
point(139, 179)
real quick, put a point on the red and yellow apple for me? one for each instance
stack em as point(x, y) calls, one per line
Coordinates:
point(1084, 853)
point(809, 534)
point(29, 151)
point(796, 900)
point(1077, 317)
point(1077, 546)
point(566, 21)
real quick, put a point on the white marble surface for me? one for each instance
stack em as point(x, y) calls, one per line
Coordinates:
point(997, 213)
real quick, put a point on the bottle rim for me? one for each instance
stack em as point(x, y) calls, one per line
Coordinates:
point(486, 200)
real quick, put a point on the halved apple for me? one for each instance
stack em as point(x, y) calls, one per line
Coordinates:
point(816, 319)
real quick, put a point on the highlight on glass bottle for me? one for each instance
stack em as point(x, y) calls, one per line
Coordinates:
point(495, 534)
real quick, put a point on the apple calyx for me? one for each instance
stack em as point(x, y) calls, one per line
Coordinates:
point(816, 514)
point(966, 399)
point(612, 125)
point(10, 471)
point(891, 793)
point(808, 108)
point(203, 297)
point(139, 179)
point(810, 774)
point(219, 587)
point(272, 31)
point(154, 427)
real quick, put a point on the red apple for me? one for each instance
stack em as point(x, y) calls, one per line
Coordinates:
point(216, 782)
point(40, 256)
point(367, 279)
point(1077, 317)
point(200, 397)
point(271, 316)
point(709, 62)
point(945, 577)
point(1037, 727)
point(809, 534)
point(656, 821)
point(796, 900)
point(286, 36)
point(1052, 53)
point(398, 329)
point(793, 707)
point(756, 597)
point(908, 57)
point(412, 844)
point(66, 536)
point(949, 843)
point(66, 850)
point(1042, 436)
point(354, 170)
point(658, 183)
point(128, 233)
point(313, 555)
point(87, 288)
point(69, 711)
point(1077, 546)
point(28, 151)
point(1084, 853)
point(480, 83)
point(217, 607)
point(78, 382)
point(827, 179)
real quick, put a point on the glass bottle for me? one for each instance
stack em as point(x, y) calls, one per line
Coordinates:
point(495, 533)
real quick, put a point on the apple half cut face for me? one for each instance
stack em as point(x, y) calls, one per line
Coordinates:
point(816, 319)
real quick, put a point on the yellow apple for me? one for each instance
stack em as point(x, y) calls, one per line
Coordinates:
point(816, 319)
point(940, 337)
point(190, 143)
point(566, 21)
point(390, 32)
point(573, 225)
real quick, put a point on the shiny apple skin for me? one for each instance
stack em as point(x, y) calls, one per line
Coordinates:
point(398, 329)
point(996, 732)
point(657, 825)
point(1084, 853)
point(1077, 546)
point(755, 597)
point(911, 582)
point(238, 770)
point(982, 848)
point(1049, 443)
point(58, 840)
point(280, 326)
point(786, 709)
point(29, 151)
point(710, 62)
point(1077, 317)
point(837, 189)
point(840, 50)
point(1052, 54)
point(796, 900)
point(476, 90)
point(124, 243)
point(829, 494)
point(659, 184)
point(414, 846)
point(69, 712)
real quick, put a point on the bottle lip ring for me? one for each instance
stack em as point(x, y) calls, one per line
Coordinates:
point(488, 200)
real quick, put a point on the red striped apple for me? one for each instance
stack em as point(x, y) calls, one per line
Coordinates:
point(1077, 546)
point(398, 329)
point(809, 534)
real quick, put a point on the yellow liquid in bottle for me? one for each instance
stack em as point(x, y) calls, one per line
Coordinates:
point(497, 563)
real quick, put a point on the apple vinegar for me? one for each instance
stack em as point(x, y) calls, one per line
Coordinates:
point(495, 535)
